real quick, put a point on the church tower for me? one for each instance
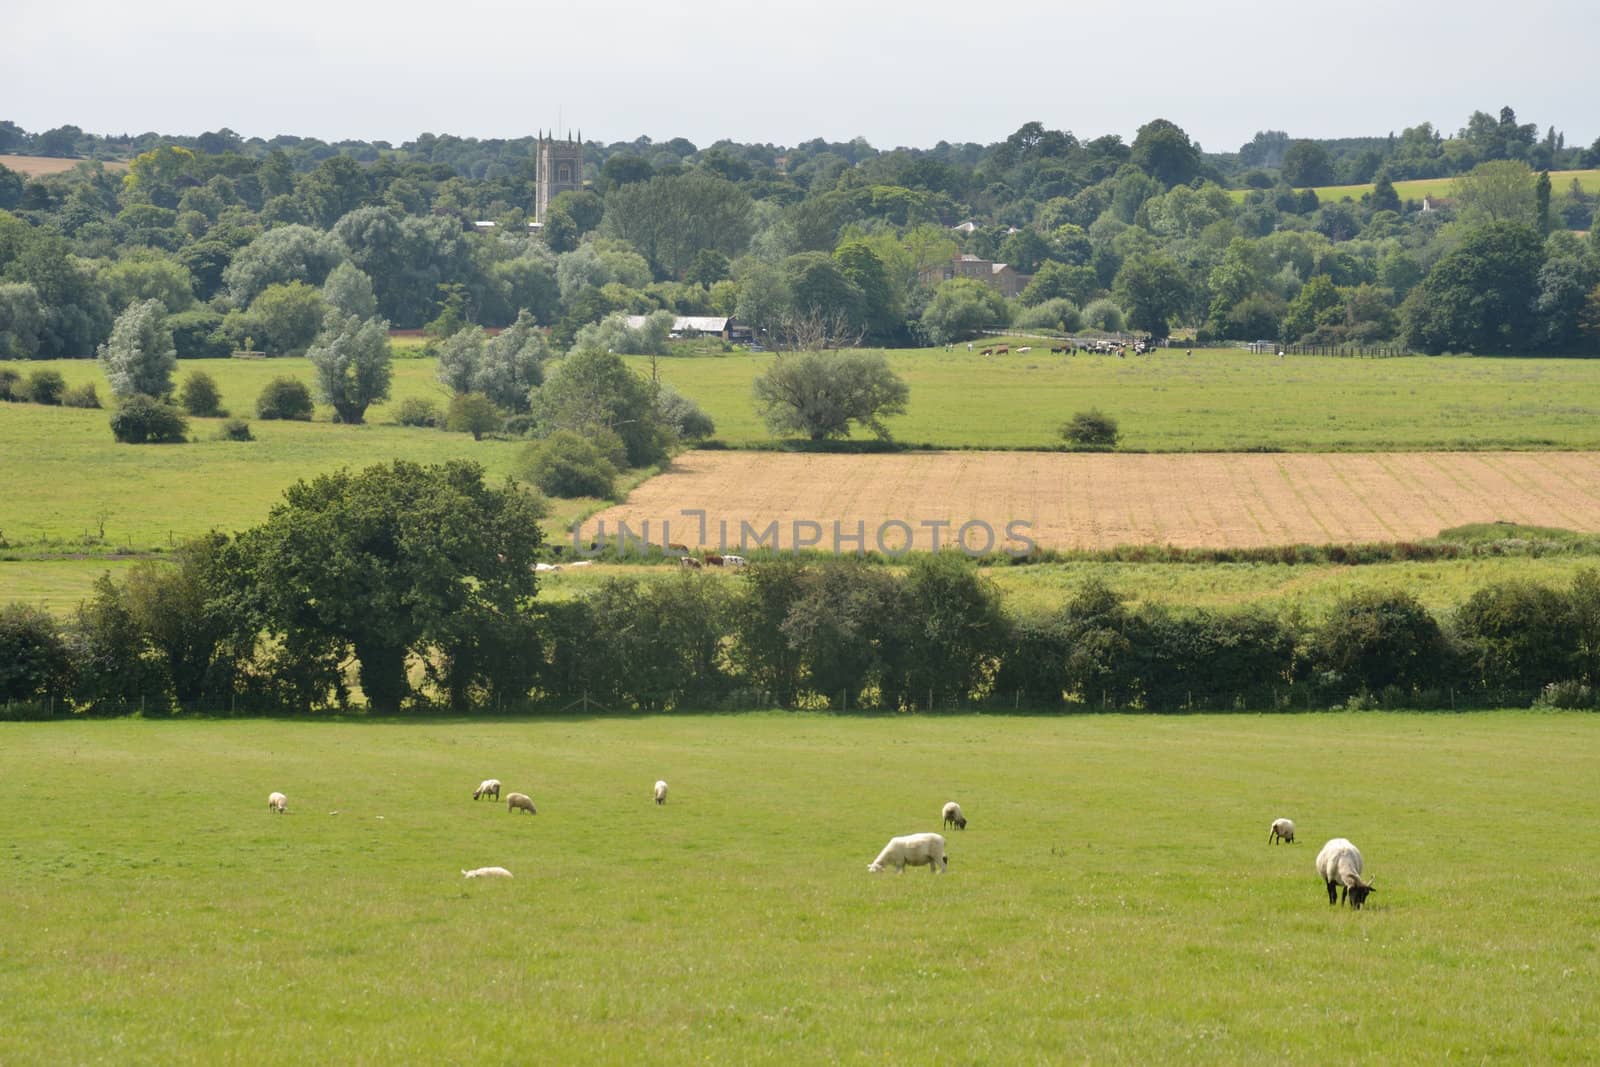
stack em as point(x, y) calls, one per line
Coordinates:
point(559, 168)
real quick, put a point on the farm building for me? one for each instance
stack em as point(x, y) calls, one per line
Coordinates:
point(729, 329)
point(1000, 276)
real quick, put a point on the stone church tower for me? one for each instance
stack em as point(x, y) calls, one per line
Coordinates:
point(559, 168)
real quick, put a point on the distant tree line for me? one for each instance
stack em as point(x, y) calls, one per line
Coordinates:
point(245, 242)
point(417, 583)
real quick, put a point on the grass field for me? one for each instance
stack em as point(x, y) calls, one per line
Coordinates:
point(1560, 180)
point(1113, 898)
point(1066, 501)
point(1216, 401)
point(39, 166)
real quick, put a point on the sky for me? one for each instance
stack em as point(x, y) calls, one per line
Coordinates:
point(893, 72)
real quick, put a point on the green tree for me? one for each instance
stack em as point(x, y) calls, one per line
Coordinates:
point(353, 367)
point(284, 398)
point(1316, 304)
point(390, 562)
point(592, 390)
point(566, 464)
point(881, 314)
point(281, 255)
point(1154, 291)
point(21, 320)
point(1163, 150)
point(671, 217)
point(287, 318)
point(348, 291)
point(1307, 164)
point(200, 396)
point(149, 277)
point(822, 394)
point(139, 357)
point(1498, 191)
point(1481, 296)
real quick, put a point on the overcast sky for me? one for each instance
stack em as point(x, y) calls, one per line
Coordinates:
point(895, 73)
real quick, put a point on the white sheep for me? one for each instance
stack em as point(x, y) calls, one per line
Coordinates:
point(487, 872)
point(916, 850)
point(953, 816)
point(489, 787)
point(1281, 828)
point(1339, 864)
point(277, 802)
point(661, 792)
point(520, 802)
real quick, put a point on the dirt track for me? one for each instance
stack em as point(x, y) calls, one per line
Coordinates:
point(1099, 501)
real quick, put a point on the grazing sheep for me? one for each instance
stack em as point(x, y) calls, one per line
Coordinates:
point(520, 802)
point(953, 816)
point(277, 802)
point(489, 787)
point(661, 792)
point(917, 850)
point(1281, 828)
point(487, 872)
point(1339, 864)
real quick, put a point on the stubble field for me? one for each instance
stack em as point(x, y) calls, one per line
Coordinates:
point(1102, 501)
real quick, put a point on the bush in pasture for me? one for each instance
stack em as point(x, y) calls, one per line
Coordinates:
point(81, 396)
point(1058, 314)
point(235, 430)
point(1375, 639)
point(9, 389)
point(44, 387)
point(200, 397)
point(35, 664)
point(116, 674)
point(1214, 660)
point(285, 398)
point(590, 391)
point(951, 632)
point(1091, 430)
point(144, 420)
point(683, 416)
point(961, 308)
point(473, 413)
point(1517, 637)
point(139, 357)
point(566, 464)
point(1103, 639)
point(847, 627)
point(417, 411)
point(766, 657)
point(1567, 695)
point(1104, 315)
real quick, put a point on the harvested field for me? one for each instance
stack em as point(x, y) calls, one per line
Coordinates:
point(39, 166)
point(1100, 501)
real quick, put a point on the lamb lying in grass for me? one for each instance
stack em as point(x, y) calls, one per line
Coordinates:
point(487, 872)
point(915, 850)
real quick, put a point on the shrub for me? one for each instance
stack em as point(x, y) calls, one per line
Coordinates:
point(473, 413)
point(567, 465)
point(285, 398)
point(145, 420)
point(81, 396)
point(44, 387)
point(1565, 695)
point(1375, 639)
point(9, 389)
point(198, 334)
point(416, 411)
point(1091, 429)
point(235, 430)
point(200, 397)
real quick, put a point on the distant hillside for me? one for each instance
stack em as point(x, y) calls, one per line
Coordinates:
point(1589, 180)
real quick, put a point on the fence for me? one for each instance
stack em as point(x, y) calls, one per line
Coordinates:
point(1353, 351)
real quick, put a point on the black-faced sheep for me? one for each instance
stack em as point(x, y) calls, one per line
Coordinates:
point(1282, 829)
point(953, 816)
point(277, 802)
point(489, 787)
point(520, 802)
point(1339, 864)
point(915, 850)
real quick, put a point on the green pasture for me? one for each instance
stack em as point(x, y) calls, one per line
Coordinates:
point(1113, 899)
point(1560, 181)
point(1214, 400)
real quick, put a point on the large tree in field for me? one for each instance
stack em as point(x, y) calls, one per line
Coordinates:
point(140, 357)
point(390, 562)
point(1162, 150)
point(1154, 290)
point(352, 363)
point(822, 394)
